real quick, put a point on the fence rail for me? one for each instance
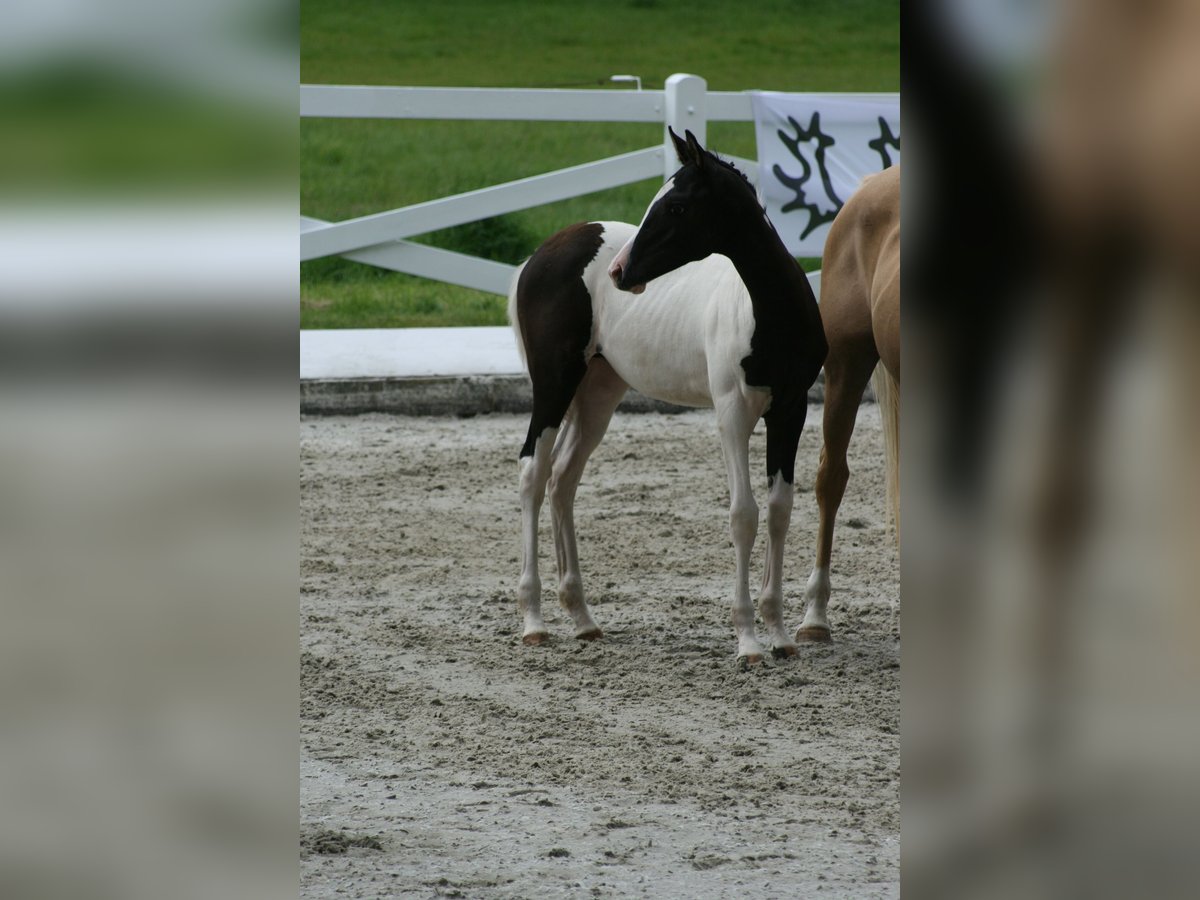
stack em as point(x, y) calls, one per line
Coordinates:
point(527, 104)
point(352, 234)
point(339, 101)
point(379, 239)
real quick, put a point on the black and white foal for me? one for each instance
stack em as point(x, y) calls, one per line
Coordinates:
point(722, 317)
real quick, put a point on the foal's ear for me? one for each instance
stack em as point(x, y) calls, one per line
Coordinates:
point(682, 148)
point(695, 151)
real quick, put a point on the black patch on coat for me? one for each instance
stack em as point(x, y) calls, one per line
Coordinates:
point(787, 351)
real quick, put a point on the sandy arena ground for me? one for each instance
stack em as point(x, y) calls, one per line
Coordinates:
point(440, 757)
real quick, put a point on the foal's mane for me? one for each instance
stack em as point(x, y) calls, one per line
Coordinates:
point(728, 165)
point(724, 163)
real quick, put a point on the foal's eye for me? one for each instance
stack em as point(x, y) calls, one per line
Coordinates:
point(675, 209)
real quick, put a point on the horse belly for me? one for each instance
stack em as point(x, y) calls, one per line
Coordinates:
point(659, 353)
point(680, 381)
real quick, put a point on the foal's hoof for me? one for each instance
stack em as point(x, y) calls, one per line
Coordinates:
point(535, 639)
point(749, 662)
point(813, 634)
point(784, 651)
point(594, 634)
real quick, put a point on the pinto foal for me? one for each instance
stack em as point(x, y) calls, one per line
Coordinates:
point(723, 317)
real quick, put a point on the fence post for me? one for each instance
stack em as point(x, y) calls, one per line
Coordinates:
point(685, 100)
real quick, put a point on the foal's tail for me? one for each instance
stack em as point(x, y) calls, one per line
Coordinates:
point(887, 394)
point(512, 314)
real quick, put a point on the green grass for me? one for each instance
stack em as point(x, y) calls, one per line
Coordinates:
point(341, 294)
point(357, 167)
point(75, 129)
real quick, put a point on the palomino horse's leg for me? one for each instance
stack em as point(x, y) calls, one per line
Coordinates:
point(782, 439)
point(736, 422)
point(587, 420)
point(845, 379)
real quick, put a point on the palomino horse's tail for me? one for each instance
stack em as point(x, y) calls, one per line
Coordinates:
point(887, 394)
point(512, 315)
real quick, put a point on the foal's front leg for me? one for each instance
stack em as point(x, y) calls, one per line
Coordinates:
point(783, 436)
point(770, 599)
point(736, 425)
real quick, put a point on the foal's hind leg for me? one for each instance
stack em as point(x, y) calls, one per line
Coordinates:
point(846, 377)
point(553, 388)
point(782, 439)
point(535, 472)
point(587, 420)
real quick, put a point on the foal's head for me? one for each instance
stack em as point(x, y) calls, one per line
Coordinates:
point(698, 212)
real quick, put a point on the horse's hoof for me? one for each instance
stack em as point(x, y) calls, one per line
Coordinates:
point(783, 651)
point(594, 634)
point(813, 634)
point(535, 639)
point(749, 662)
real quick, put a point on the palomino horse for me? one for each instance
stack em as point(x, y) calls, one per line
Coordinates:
point(739, 332)
point(860, 307)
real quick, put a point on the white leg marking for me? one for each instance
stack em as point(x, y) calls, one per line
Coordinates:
point(816, 598)
point(770, 600)
point(535, 471)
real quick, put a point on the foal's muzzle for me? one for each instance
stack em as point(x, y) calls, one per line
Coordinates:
point(616, 271)
point(617, 274)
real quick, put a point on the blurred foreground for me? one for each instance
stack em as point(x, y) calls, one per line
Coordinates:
point(147, 484)
point(1051, 431)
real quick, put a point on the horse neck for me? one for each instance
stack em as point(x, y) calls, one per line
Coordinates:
point(774, 279)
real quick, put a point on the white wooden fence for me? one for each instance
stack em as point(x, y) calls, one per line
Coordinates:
point(380, 239)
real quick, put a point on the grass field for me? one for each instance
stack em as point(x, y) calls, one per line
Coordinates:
point(355, 167)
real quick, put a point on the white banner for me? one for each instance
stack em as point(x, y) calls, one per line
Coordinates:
point(813, 152)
